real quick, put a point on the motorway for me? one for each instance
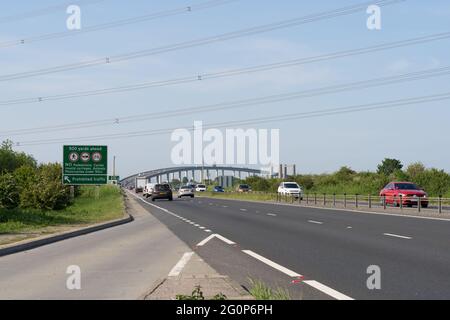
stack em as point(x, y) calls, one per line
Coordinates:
point(331, 249)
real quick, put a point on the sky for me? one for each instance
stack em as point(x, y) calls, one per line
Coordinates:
point(417, 132)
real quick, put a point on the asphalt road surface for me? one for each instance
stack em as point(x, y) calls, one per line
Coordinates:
point(331, 249)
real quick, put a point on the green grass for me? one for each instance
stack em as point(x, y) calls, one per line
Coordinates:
point(85, 210)
point(261, 291)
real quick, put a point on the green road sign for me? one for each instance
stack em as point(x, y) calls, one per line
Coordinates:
point(113, 178)
point(85, 165)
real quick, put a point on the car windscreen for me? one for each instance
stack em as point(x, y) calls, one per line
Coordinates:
point(244, 186)
point(406, 186)
point(291, 185)
point(162, 187)
point(201, 186)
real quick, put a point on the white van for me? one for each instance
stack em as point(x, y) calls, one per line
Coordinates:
point(148, 189)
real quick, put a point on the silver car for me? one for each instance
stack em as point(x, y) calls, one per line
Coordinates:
point(186, 191)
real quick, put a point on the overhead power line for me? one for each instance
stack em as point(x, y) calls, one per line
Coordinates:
point(45, 11)
point(230, 73)
point(117, 23)
point(199, 42)
point(377, 82)
point(254, 121)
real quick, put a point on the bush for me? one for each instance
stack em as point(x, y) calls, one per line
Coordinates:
point(9, 193)
point(47, 192)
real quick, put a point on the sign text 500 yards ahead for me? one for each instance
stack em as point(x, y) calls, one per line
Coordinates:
point(85, 165)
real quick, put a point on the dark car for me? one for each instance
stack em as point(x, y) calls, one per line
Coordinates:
point(243, 188)
point(162, 191)
point(404, 193)
point(218, 189)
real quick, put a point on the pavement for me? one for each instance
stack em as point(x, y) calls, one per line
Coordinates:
point(123, 262)
point(196, 272)
point(314, 253)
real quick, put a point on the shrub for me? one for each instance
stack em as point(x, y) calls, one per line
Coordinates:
point(48, 192)
point(9, 193)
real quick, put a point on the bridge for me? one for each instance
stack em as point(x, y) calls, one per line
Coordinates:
point(192, 173)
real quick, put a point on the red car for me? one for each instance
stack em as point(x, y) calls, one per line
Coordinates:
point(406, 193)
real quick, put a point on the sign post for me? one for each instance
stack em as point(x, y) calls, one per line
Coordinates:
point(85, 165)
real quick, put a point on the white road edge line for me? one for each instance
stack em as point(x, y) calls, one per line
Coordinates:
point(272, 264)
point(397, 236)
point(176, 270)
point(327, 290)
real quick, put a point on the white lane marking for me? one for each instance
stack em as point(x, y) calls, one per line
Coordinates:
point(272, 214)
point(315, 222)
point(272, 264)
point(327, 290)
point(218, 236)
point(175, 215)
point(243, 209)
point(349, 227)
point(176, 270)
point(396, 236)
point(196, 225)
point(224, 206)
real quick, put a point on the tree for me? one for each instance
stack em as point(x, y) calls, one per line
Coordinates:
point(415, 169)
point(10, 160)
point(389, 166)
point(344, 174)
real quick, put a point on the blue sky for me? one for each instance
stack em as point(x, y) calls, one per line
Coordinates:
point(360, 140)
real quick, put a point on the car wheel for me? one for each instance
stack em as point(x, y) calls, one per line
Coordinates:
point(170, 199)
point(425, 205)
point(153, 199)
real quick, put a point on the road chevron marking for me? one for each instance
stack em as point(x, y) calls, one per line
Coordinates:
point(215, 235)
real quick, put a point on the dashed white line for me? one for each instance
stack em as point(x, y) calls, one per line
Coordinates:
point(272, 264)
point(243, 210)
point(315, 222)
point(272, 214)
point(397, 236)
point(176, 270)
point(327, 290)
point(207, 230)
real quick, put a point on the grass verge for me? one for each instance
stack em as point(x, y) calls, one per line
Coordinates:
point(87, 209)
point(261, 291)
